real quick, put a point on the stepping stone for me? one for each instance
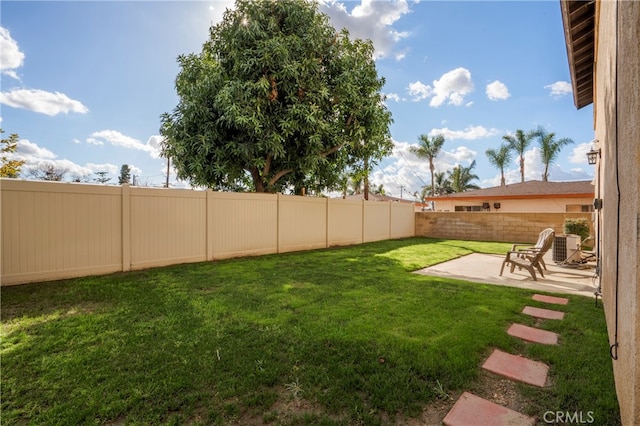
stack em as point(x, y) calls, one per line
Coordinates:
point(473, 410)
point(550, 299)
point(531, 334)
point(518, 368)
point(542, 313)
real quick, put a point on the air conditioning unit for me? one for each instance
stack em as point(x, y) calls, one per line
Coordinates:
point(566, 248)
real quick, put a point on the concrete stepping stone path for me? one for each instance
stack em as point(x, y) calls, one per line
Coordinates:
point(550, 299)
point(531, 334)
point(542, 313)
point(518, 368)
point(470, 409)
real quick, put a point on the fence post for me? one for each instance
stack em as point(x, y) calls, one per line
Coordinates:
point(126, 227)
point(362, 230)
point(208, 211)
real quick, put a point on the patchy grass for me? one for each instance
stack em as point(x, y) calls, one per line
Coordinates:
point(336, 336)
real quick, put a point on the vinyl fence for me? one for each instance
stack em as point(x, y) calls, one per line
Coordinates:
point(53, 230)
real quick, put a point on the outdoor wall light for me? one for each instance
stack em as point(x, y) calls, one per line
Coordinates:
point(496, 206)
point(592, 156)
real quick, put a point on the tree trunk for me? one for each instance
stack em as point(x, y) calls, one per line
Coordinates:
point(258, 183)
point(433, 186)
point(365, 179)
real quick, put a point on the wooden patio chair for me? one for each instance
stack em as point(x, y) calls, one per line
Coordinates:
point(528, 250)
point(530, 258)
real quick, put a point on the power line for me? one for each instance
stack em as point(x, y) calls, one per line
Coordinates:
point(412, 169)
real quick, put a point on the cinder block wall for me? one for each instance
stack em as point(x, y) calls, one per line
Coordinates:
point(481, 226)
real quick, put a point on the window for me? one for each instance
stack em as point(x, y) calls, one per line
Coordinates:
point(468, 208)
point(579, 208)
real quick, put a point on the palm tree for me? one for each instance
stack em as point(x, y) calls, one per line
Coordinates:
point(500, 158)
point(443, 185)
point(428, 148)
point(461, 178)
point(379, 190)
point(519, 143)
point(550, 148)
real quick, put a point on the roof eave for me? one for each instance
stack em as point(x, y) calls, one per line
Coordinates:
point(578, 18)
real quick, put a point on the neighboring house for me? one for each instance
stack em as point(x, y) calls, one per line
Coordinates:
point(604, 60)
point(532, 196)
point(378, 197)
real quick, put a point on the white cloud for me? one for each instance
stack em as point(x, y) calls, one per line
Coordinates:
point(94, 141)
point(469, 133)
point(41, 101)
point(118, 139)
point(27, 149)
point(403, 168)
point(497, 91)
point(450, 159)
point(370, 20)
point(36, 156)
point(217, 9)
point(420, 91)
point(559, 88)
point(452, 86)
point(393, 97)
point(10, 55)
point(579, 153)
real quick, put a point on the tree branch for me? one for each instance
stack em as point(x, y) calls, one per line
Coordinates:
point(331, 150)
point(267, 165)
point(279, 175)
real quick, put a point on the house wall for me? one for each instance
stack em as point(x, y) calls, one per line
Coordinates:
point(53, 230)
point(617, 128)
point(481, 226)
point(541, 205)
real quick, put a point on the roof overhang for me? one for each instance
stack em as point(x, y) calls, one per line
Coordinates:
point(579, 21)
point(509, 197)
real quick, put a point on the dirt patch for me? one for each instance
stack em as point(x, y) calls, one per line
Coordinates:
point(501, 391)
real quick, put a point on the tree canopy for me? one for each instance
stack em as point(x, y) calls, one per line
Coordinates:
point(519, 144)
point(429, 148)
point(9, 168)
point(500, 158)
point(277, 99)
point(550, 148)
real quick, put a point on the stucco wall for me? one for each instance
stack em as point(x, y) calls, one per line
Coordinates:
point(617, 124)
point(547, 205)
point(481, 226)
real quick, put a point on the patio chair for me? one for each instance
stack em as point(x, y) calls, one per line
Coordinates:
point(529, 250)
point(530, 258)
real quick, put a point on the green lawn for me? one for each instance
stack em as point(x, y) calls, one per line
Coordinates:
point(336, 336)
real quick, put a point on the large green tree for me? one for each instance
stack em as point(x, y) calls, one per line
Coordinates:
point(500, 158)
point(429, 148)
point(9, 168)
point(550, 148)
point(519, 144)
point(277, 99)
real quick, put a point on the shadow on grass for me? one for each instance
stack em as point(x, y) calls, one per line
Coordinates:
point(218, 342)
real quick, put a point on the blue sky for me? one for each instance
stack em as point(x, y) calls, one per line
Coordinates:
point(84, 83)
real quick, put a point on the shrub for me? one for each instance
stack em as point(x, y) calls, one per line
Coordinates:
point(578, 226)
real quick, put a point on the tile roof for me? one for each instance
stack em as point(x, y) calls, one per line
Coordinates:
point(529, 189)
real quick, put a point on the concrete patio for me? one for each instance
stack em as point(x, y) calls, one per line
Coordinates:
point(485, 268)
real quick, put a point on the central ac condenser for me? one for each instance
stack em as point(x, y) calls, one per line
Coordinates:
point(566, 248)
